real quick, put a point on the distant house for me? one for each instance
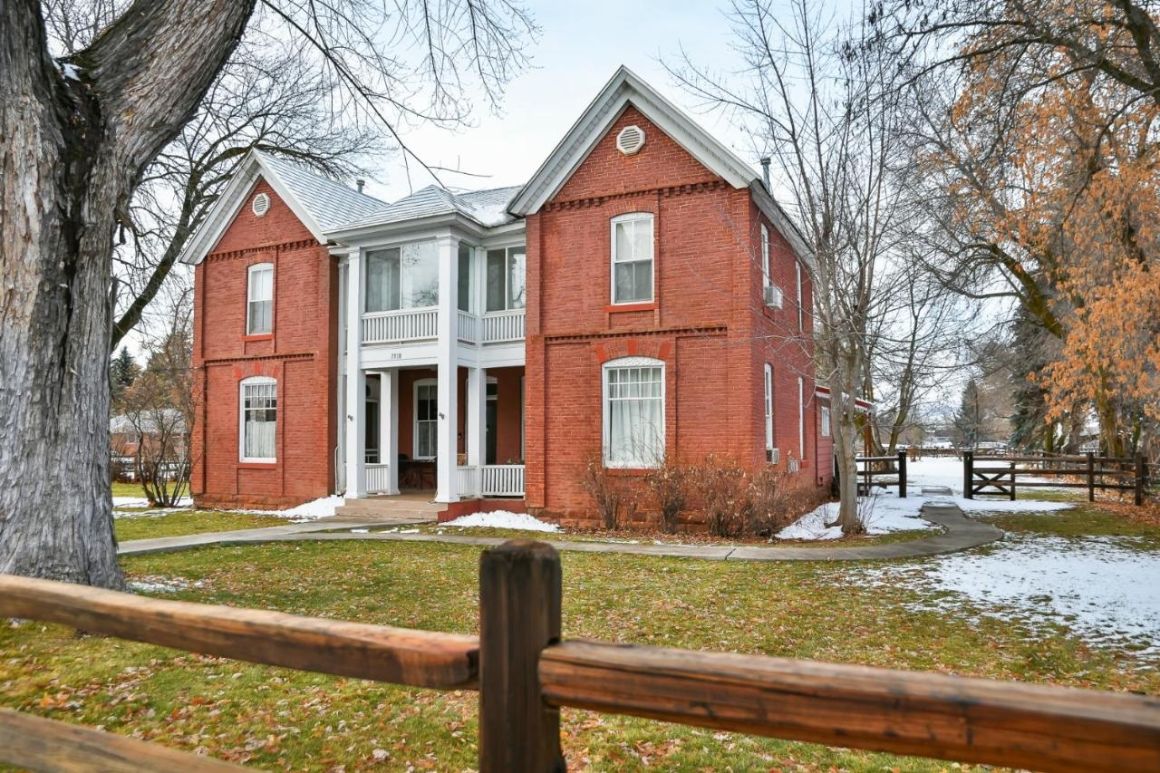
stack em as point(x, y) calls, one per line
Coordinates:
point(641, 297)
point(128, 435)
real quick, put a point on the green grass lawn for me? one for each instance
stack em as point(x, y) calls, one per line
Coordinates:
point(281, 719)
point(189, 522)
point(1084, 520)
point(126, 489)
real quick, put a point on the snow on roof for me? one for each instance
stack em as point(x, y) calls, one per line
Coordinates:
point(488, 208)
point(330, 202)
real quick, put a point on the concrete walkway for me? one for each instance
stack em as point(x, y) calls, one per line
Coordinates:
point(960, 533)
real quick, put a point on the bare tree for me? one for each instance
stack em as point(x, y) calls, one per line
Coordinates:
point(160, 404)
point(825, 112)
point(77, 138)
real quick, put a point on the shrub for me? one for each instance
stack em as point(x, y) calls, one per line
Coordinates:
point(724, 490)
point(605, 492)
point(773, 502)
point(669, 483)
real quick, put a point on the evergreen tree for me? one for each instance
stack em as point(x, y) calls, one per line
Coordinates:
point(969, 418)
point(123, 371)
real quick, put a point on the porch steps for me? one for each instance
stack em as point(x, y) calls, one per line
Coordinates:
point(396, 509)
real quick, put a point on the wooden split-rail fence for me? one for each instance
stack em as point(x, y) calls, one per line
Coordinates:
point(1003, 475)
point(525, 672)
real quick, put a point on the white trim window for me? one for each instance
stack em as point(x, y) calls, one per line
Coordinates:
point(825, 420)
point(634, 412)
point(426, 418)
point(801, 418)
point(258, 419)
point(801, 307)
point(403, 277)
point(506, 271)
point(766, 269)
point(632, 258)
point(260, 299)
point(768, 411)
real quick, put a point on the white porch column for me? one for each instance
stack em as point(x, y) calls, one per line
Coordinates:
point(389, 426)
point(476, 416)
point(447, 357)
point(355, 381)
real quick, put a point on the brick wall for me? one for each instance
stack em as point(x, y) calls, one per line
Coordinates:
point(299, 354)
point(707, 322)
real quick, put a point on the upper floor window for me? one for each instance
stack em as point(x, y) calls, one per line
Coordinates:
point(506, 278)
point(800, 302)
point(464, 275)
point(634, 412)
point(825, 420)
point(260, 299)
point(259, 419)
point(632, 258)
point(766, 272)
point(405, 277)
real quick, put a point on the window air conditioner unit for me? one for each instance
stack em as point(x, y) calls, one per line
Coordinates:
point(773, 296)
point(773, 455)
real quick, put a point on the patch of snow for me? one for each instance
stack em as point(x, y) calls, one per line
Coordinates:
point(157, 584)
point(883, 512)
point(182, 503)
point(323, 507)
point(1099, 587)
point(1003, 505)
point(502, 519)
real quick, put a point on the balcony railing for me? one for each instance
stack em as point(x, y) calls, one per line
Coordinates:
point(468, 328)
point(403, 325)
point(377, 477)
point(501, 326)
point(491, 480)
point(388, 327)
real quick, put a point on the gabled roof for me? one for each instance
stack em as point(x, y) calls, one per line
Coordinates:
point(626, 88)
point(487, 208)
point(320, 203)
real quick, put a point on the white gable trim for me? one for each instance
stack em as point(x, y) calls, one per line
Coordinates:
point(233, 198)
point(623, 89)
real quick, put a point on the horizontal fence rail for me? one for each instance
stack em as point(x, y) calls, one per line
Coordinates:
point(47, 744)
point(525, 674)
point(378, 652)
point(1001, 475)
point(972, 720)
point(891, 467)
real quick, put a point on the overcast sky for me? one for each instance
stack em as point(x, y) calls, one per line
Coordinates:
point(581, 45)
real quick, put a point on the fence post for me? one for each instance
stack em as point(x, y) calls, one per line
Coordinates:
point(902, 474)
point(1012, 481)
point(1141, 478)
point(1091, 475)
point(968, 472)
point(519, 615)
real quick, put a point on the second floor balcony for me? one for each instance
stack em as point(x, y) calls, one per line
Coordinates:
point(401, 290)
point(413, 325)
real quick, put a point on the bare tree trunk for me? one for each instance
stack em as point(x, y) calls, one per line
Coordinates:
point(72, 147)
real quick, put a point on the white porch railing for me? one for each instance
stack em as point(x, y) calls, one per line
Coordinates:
point(378, 476)
point(499, 326)
point(468, 328)
point(403, 325)
point(491, 480)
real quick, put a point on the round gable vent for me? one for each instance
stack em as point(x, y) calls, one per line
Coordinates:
point(630, 140)
point(261, 204)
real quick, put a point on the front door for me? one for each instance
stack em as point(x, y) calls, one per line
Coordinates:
point(490, 433)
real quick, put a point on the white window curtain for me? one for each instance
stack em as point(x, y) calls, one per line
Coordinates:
point(426, 419)
point(260, 295)
point(634, 413)
point(632, 258)
point(259, 419)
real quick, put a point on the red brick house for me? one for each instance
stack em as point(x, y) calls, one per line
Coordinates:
point(641, 298)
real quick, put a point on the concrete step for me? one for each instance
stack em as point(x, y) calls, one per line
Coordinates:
point(390, 509)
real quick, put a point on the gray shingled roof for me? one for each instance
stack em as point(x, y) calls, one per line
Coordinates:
point(488, 207)
point(331, 203)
